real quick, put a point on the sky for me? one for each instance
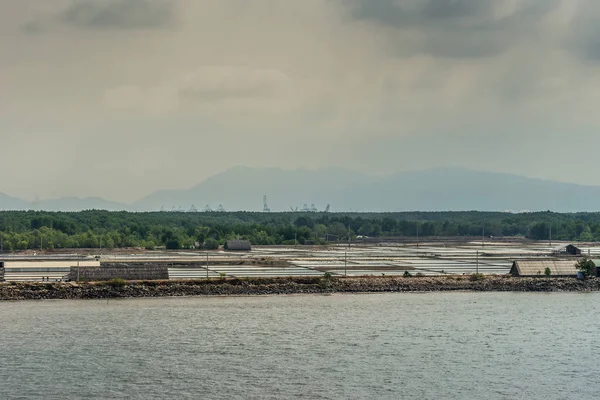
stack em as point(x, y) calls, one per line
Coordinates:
point(119, 98)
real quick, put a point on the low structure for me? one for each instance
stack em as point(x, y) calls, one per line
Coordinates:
point(597, 264)
point(562, 268)
point(30, 269)
point(566, 250)
point(238, 245)
point(126, 272)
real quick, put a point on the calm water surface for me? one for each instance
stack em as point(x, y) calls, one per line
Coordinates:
point(391, 346)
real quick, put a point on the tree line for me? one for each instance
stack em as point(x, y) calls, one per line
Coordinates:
point(20, 230)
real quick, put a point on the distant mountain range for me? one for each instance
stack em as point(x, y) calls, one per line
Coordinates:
point(440, 189)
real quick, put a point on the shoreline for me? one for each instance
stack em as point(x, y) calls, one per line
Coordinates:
point(13, 291)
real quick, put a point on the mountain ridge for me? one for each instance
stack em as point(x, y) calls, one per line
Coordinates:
point(437, 189)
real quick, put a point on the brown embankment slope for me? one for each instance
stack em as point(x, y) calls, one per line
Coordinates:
point(272, 286)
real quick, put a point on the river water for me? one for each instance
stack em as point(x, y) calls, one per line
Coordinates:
point(385, 346)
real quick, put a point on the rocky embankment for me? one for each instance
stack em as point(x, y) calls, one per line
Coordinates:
point(272, 286)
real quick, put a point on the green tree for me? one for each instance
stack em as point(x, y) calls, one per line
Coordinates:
point(201, 233)
point(173, 244)
point(320, 230)
point(211, 244)
point(586, 235)
point(586, 266)
point(338, 229)
point(539, 231)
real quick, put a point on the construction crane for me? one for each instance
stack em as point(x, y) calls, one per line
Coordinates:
point(265, 205)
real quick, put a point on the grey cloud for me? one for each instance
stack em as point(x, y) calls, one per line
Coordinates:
point(122, 14)
point(403, 13)
point(33, 27)
point(454, 28)
point(585, 32)
point(444, 9)
point(220, 87)
point(107, 14)
point(591, 48)
point(222, 83)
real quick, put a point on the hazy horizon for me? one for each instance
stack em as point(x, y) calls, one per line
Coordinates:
point(434, 189)
point(119, 98)
point(291, 170)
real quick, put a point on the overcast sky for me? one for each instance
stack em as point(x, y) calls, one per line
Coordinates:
point(118, 98)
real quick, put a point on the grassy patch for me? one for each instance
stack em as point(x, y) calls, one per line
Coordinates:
point(116, 282)
point(476, 277)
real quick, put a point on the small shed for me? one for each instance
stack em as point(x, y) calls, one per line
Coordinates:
point(238, 245)
point(566, 250)
point(560, 268)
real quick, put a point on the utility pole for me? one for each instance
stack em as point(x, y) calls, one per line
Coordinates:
point(417, 236)
point(345, 263)
point(483, 237)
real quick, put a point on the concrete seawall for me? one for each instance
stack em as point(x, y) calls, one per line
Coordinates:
point(273, 286)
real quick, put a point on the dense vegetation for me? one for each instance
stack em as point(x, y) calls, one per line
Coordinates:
point(21, 230)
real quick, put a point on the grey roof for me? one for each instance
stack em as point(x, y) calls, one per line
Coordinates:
point(534, 268)
point(563, 247)
point(238, 245)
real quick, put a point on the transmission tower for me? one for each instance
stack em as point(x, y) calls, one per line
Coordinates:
point(221, 208)
point(265, 205)
point(207, 208)
point(313, 208)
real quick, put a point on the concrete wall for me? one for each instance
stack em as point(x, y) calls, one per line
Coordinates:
point(125, 272)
